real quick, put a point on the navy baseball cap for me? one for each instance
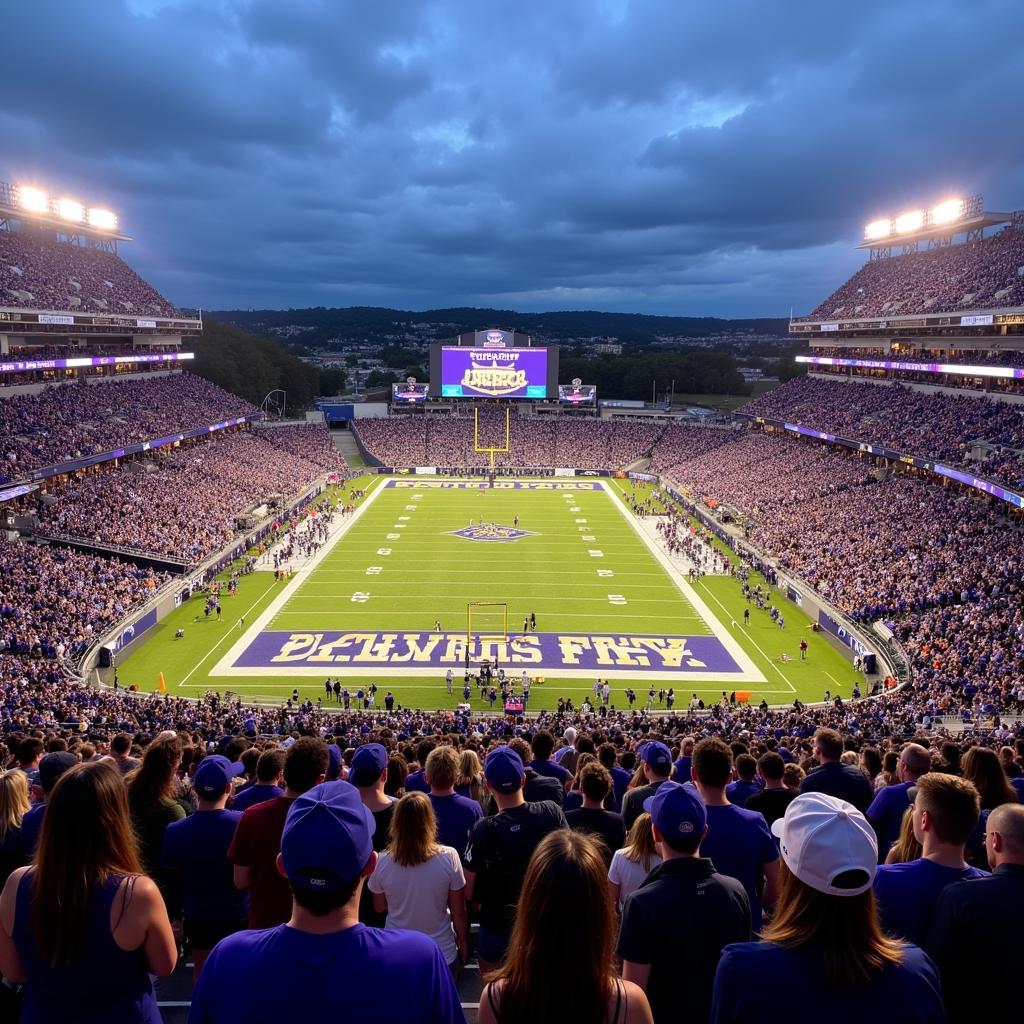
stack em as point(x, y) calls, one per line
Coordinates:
point(333, 762)
point(658, 756)
point(504, 770)
point(53, 766)
point(327, 838)
point(214, 775)
point(367, 764)
point(677, 810)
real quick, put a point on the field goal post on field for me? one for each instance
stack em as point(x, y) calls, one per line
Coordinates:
point(493, 449)
point(486, 620)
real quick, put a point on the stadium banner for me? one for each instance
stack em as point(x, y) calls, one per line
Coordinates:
point(20, 316)
point(134, 630)
point(840, 632)
point(647, 478)
point(493, 372)
point(426, 470)
point(499, 485)
point(629, 653)
point(565, 471)
point(80, 362)
point(10, 493)
point(960, 369)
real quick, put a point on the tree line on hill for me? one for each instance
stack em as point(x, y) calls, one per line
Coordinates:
point(252, 367)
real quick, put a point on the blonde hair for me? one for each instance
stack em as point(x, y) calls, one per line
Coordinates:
point(906, 848)
point(640, 848)
point(413, 831)
point(471, 774)
point(442, 767)
point(14, 801)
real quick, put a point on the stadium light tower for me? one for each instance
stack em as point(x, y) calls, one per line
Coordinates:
point(102, 219)
point(33, 200)
point(947, 211)
point(912, 220)
point(70, 209)
point(881, 228)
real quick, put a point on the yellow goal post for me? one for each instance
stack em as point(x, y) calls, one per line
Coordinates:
point(486, 620)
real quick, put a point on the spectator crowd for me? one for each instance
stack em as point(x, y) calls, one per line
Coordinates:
point(37, 272)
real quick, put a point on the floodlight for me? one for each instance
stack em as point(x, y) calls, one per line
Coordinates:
point(878, 229)
point(912, 220)
point(34, 200)
point(102, 219)
point(947, 211)
point(70, 209)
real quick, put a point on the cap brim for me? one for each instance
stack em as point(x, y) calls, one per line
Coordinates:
point(777, 826)
point(237, 769)
point(647, 804)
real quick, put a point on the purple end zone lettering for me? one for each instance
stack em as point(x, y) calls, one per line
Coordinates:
point(499, 485)
point(620, 653)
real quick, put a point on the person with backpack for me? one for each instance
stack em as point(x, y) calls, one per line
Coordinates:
point(499, 851)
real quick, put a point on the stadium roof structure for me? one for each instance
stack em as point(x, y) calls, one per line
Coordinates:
point(68, 216)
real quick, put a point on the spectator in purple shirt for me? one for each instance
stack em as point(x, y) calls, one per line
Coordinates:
point(890, 803)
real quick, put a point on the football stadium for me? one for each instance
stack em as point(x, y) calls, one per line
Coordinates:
point(454, 693)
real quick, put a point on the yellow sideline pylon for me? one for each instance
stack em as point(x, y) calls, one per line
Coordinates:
point(162, 686)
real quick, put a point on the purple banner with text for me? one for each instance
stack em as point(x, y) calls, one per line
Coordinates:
point(623, 654)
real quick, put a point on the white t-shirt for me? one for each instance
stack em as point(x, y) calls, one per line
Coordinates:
point(418, 896)
point(627, 874)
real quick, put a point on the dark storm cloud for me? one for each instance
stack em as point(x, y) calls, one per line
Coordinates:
point(661, 156)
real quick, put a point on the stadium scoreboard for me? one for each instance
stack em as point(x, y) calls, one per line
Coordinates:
point(494, 364)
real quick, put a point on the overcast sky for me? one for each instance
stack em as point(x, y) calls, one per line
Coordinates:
point(666, 156)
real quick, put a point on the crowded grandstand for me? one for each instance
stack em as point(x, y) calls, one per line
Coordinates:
point(489, 859)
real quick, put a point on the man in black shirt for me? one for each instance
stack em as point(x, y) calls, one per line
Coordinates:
point(676, 924)
point(595, 785)
point(974, 937)
point(657, 760)
point(832, 777)
point(499, 851)
point(773, 800)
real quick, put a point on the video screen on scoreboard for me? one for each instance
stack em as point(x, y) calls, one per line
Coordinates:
point(468, 372)
point(409, 392)
point(577, 393)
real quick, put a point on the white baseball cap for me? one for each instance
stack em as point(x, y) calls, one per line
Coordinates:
point(822, 837)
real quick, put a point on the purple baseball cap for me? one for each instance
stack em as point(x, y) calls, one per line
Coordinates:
point(677, 810)
point(367, 764)
point(327, 838)
point(504, 770)
point(214, 775)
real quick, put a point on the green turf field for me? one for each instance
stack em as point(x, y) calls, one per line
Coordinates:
point(399, 567)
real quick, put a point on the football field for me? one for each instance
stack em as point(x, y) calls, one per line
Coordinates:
point(549, 577)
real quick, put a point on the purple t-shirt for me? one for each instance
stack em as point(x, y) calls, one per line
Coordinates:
point(456, 815)
point(906, 894)
point(284, 974)
point(738, 843)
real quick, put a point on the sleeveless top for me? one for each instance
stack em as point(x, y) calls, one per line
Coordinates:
point(102, 984)
point(617, 1016)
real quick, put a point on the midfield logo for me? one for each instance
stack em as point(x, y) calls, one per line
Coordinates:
point(491, 531)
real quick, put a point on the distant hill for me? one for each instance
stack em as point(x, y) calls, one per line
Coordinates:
point(319, 325)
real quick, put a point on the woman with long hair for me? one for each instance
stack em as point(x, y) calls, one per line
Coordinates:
point(982, 767)
point(419, 884)
point(14, 802)
point(825, 941)
point(154, 802)
point(634, 862)
point(82, 926)
point(470, 782)
point(906, 848)
point(573, 799)
point(558, 969)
